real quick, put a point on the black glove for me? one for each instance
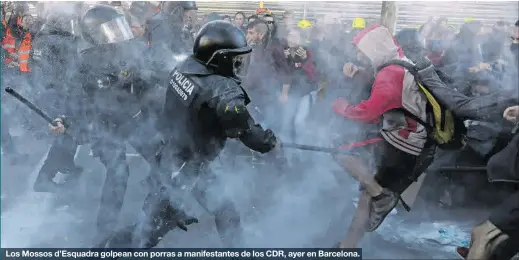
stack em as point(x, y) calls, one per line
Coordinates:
point(183, 223)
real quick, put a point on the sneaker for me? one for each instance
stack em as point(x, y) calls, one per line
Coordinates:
point(380, 206)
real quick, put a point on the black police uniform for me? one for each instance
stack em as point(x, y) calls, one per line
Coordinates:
point(54, 56)
point(205, 105)
point(110, 103)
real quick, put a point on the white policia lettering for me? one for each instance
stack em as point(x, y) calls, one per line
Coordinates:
point(178, 89)
point(184, 82)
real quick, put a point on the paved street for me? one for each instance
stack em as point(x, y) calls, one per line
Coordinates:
point(304, 209)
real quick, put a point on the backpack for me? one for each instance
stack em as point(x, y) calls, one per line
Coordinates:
point(443, 127)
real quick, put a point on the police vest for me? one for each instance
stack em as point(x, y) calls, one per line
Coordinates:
point(8, 43)
point(24, 53)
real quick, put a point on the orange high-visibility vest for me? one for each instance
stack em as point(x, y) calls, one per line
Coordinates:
point(23, 53)
point(8, 43)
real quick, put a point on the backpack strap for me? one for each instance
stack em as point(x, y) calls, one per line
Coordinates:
point(402, 63)
point(428, 127)
point(414, 71)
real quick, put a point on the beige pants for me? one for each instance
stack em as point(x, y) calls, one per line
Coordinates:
point(485, 238)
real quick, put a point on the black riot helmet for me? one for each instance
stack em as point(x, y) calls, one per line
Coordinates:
point(67, 24)
point(177, 11)
point(102, 24)
point(217, 45)
point(171, 7)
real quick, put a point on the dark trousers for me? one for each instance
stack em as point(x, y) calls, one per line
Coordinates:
point(162, 211)
point(112, 155)
point(60, 158)
point(163, 206)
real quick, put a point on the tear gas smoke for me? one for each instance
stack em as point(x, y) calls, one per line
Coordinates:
point(307, 204)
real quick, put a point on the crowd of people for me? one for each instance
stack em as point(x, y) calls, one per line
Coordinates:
point(385, 101)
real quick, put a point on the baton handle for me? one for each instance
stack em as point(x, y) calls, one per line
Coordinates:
point(311, 148)
point(30, 105)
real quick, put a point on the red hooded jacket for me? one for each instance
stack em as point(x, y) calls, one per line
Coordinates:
point(393, 88)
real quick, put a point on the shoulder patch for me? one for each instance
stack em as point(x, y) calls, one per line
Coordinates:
point(185, 88)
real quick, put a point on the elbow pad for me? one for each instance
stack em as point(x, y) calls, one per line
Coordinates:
point(234, 118)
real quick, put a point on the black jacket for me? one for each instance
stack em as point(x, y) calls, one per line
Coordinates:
point(473, 108)
point(54, 53)
point(203, 109)
point(109, 91)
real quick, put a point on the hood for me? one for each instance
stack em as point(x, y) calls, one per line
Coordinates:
point(377, 43)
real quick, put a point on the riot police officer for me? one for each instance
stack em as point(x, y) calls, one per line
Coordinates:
point(205, 105)
point(110, 103)
point(55, 54)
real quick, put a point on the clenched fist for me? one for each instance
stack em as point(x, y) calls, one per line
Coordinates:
point(512, 114)
point(58, 127)
point(350, 70)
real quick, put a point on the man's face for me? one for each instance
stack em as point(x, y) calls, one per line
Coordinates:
point(27, 22)
point(190, 17)
point(363, 59)
point(138, 29)
point(239, 20)
point(269, 21)
point(254, 37)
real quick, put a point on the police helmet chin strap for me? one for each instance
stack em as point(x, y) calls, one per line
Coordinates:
point(230, 73)
point(218, 52)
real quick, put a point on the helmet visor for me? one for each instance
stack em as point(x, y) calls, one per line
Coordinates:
point(237, 64)
point(116, 30)
point(73, 26)
point(67, 26)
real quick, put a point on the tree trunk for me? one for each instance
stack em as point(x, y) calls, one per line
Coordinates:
point(388, 16)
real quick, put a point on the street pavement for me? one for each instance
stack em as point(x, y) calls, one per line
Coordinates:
point(300, 211)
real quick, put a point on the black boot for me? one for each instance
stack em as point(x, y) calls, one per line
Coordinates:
point(44, 182)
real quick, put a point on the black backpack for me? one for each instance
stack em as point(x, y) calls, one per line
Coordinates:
point(443, 127)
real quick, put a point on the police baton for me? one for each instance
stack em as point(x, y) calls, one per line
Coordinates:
point(30, 105)
point(314, 148)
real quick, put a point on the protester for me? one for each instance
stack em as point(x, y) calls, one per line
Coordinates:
point(239, 20)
